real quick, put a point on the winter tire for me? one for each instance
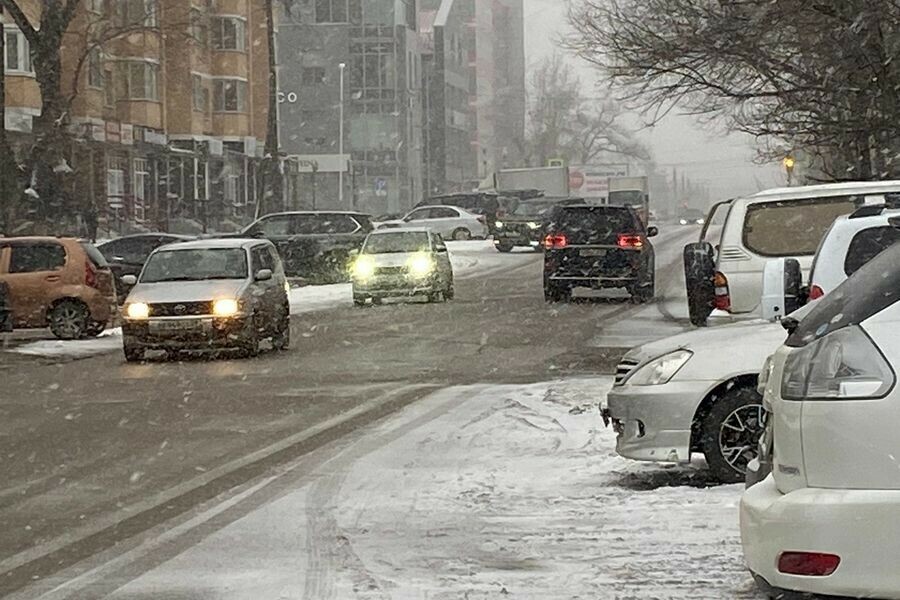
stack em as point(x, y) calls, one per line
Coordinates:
point(69, 320)
point(729, 435)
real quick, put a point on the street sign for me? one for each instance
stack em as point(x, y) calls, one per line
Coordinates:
point(381, 187)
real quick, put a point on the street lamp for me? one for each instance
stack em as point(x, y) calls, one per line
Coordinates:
point(341, 66)
point(789, 163)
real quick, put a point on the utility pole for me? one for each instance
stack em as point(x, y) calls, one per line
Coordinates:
point(273, 185)
point(341, 66)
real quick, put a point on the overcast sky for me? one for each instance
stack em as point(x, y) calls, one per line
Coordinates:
point(725, 162)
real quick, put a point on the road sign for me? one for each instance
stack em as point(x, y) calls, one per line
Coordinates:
point(381, 187)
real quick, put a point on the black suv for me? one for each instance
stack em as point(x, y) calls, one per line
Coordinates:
point(314, 245)
point(597, 247)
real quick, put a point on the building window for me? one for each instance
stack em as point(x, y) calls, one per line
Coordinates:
point(372, 69)
point(115, 181)
point(136, 12)
point(141, 185)
point(137, 80)
point(229, 33)
point(313, 75)
point(17, 52)
point(230, 95)
point(338, 11)
point(109, 87)
point(200, 94)
point(95, 69)
point(199, 27)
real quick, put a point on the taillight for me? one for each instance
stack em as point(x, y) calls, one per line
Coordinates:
point(816, 292)
point(630, 241)
point(90, 275)
point(723, 296)
point(810, 564)
point(555, 242)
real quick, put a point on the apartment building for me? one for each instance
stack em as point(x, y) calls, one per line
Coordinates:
point(379, 112)
point(169, 112)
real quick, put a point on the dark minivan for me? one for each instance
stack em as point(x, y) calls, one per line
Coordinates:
point(597, 247)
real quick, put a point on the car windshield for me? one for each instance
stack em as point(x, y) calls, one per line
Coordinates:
point(195, 265)
point(379, 313)
point(393, 243)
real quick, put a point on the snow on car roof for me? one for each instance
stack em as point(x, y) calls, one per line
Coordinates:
point(400, 230)
point(215, 244)
point(824, 190)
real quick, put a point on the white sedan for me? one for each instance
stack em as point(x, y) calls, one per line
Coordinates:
point(451, 222)
point(825, 521)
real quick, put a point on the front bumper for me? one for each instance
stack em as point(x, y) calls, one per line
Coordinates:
point(194, 333)
point(653, 422)
point(394, 287)
point(518, 237)
point(860, 526)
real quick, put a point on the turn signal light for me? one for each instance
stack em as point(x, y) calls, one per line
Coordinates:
point(723, 295)
point(815, 292)
point(90, 275)
point(630, 241)
point(810, 564)
point(555, 242)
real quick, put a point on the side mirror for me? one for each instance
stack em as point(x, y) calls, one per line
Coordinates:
point(129, 280)
point(652, 232)
point(263, 275)
point(782, 288)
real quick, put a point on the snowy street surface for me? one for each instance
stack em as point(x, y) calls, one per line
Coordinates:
point(474, 492)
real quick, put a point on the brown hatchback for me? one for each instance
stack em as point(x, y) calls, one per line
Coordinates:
point(59, 283)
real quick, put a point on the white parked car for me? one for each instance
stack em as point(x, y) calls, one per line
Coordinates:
point(726, 274)
point(694, 393)
point(451, 222)
point(825, 521)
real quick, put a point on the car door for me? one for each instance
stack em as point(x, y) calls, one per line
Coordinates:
point(35, 275)
point(269, 292)
point(445, 220)
point(280, 230)
point(442, 257)
point(419, 217)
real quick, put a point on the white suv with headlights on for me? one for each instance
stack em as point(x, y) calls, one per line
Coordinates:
point(825, 521)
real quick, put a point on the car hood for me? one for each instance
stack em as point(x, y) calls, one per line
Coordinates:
point(186, 291)
point(721, 340)
point(398, 259)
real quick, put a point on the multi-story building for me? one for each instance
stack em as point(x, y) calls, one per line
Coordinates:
point(475, 85)
point(379, 112)
point(169, 112)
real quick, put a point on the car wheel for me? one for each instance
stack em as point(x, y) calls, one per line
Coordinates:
point(449, 293)
point(133, 353)
point(360, 300)
point(282, 338)
point(729, 435)
point(643, 294)
point(462, 234)
point(504, 248)
point(69, 320)
point(94, 329)
point(250, 343)
point(556, 293)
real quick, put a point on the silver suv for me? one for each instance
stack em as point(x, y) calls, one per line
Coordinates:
point(205, 295)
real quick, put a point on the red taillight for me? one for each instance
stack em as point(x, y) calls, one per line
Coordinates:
point(555, 242)
point(630, 241)
point(815, 292)
point(90, 275)
point(723, 296)
point(810, 564)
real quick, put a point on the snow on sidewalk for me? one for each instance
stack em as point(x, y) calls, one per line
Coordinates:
point(474, 492)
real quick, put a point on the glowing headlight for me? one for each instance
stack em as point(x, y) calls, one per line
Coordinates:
point(226, 307)
point(683, 221)
point(138, 310)
point(420, 265)
point(660, 370)
point(534, 225)
point(499, 224)
point(363, 268)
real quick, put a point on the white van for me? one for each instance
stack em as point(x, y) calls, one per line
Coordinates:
point(725, 275)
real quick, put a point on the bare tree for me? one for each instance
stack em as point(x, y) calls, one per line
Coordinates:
point(818, 76)
point(564, 123)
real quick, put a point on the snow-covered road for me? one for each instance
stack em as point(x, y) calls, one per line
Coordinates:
point(474, 492)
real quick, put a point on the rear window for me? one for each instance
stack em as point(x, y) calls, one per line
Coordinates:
point(874, 287)
point(325, 224)
point(95, 255)
point(594, 224)
point(792, 227)
point(867, 244)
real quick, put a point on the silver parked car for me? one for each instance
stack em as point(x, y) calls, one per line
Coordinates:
point(209, 294)
point(453, 223)
point(402, 262)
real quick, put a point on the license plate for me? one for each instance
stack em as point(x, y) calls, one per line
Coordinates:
point(593, 252)
point(179, 325)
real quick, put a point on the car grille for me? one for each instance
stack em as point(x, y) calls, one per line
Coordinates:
point(624, 369)
point(180, 309)
point(390, 271)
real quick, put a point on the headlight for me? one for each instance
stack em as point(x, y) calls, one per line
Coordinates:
point(844, 365)
point(420, 265)
point(499, 224)
point(534, 225)
point(226, 307)
point(683, 221)
point(660, 370)
point(363, 268)
point(701, 221)
point(138, 311)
